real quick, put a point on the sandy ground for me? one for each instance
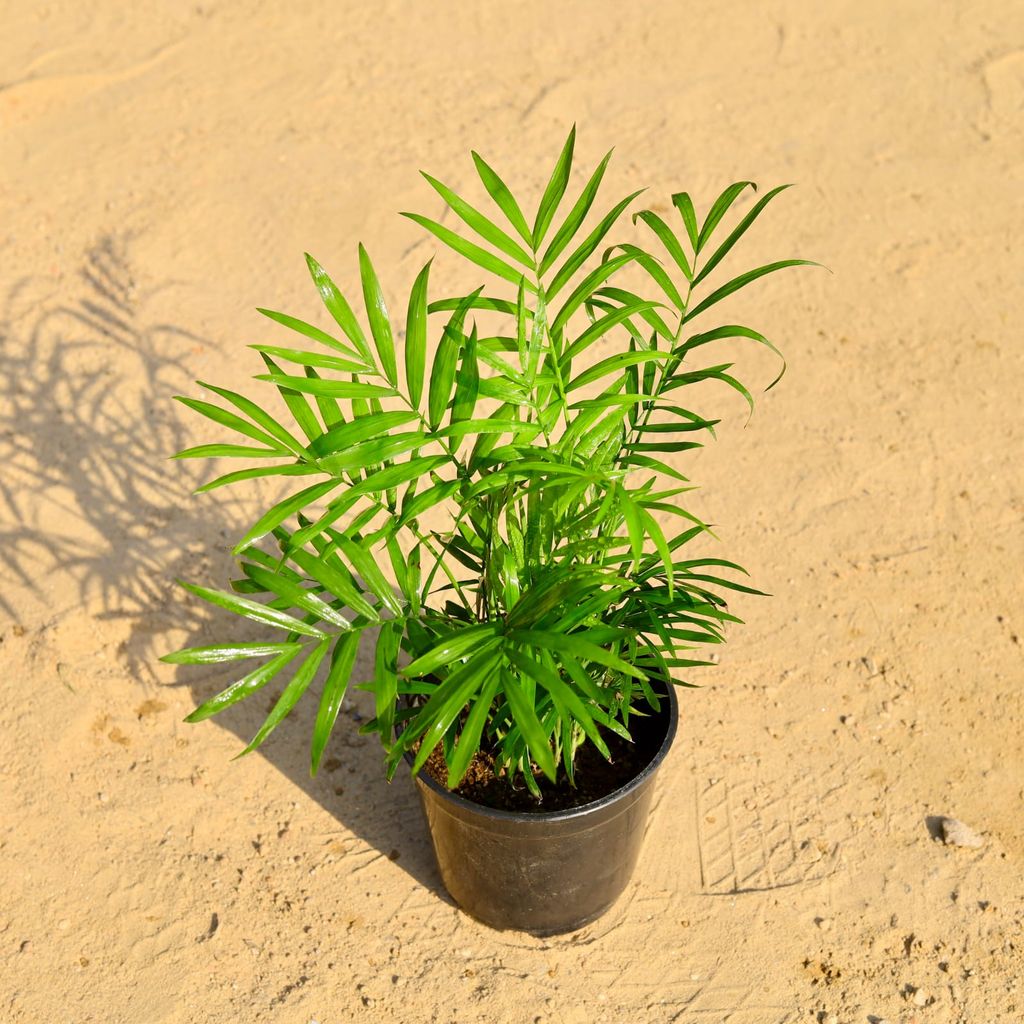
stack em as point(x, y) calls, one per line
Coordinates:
point(162, 169)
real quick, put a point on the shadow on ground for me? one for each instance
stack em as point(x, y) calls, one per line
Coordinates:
point(89, 500)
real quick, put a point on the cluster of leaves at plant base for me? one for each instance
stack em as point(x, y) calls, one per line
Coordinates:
point(542, 613)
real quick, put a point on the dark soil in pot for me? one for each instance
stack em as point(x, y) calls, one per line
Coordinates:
point(595, 777)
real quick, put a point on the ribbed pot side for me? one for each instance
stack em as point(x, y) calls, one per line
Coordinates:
point(550, 872)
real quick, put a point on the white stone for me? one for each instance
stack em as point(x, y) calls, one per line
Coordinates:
point(956, 833)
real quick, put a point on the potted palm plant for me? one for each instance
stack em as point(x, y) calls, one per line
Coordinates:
point(494, 512)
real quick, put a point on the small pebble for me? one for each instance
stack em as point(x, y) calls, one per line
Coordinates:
point(956, 833)
point(824, 923)
point(920, 997)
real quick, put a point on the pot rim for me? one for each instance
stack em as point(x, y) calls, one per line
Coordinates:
point(573, 812)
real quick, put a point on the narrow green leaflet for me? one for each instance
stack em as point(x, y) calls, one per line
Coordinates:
point(295, 594)
point(575, 217)
point(719, 208)
point(427, 499)
point(719, 582)
point(684, 204)
point(489, 302)
point(400, 567)
point(300, 469)
point(576, 645)
point(346, 435)
point(734, 331)
point(744, 279)
point(323, 361)
point(229, 451)
point(586, 289)
point(395, 476)
point(444, 706)
point(309, 331)
point(711, 373)
point(721, 252)
point(525, 715)
point(487, 353)
point(469, 738)
point(526, 431)
point(366, 565)
point(253, 610)
point(374, 452)
point(498, 191)
point(561, 693)
point(416, 336)
point(602, 326)
point(233, 422)
point(470, 250)
point(330, 411)
point(442, 377)
point(297, 405)
point(297, 686)
point(646, 462)
point(328, 388)
point(654, 531)
point(284, 510)
point(585, 683)
point(612, 365)
point(343, 659)
point(487, 229)
point(449, 649)
point(662, 279)
point(634, 525)
point(554, 191)
point(590, 243)
point(668, 239)
point(335, 579)
point(339, 308)
point(386, 677)
point(215, 654)
point(261, 418)
point(377, 313)
point(467, 382)
point(246, 686)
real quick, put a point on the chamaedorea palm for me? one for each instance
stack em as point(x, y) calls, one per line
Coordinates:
point(542, 611)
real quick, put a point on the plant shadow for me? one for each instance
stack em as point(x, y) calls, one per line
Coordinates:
point(385, 817)
point(90, 502)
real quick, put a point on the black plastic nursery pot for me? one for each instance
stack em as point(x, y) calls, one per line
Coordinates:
point(545, 872)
